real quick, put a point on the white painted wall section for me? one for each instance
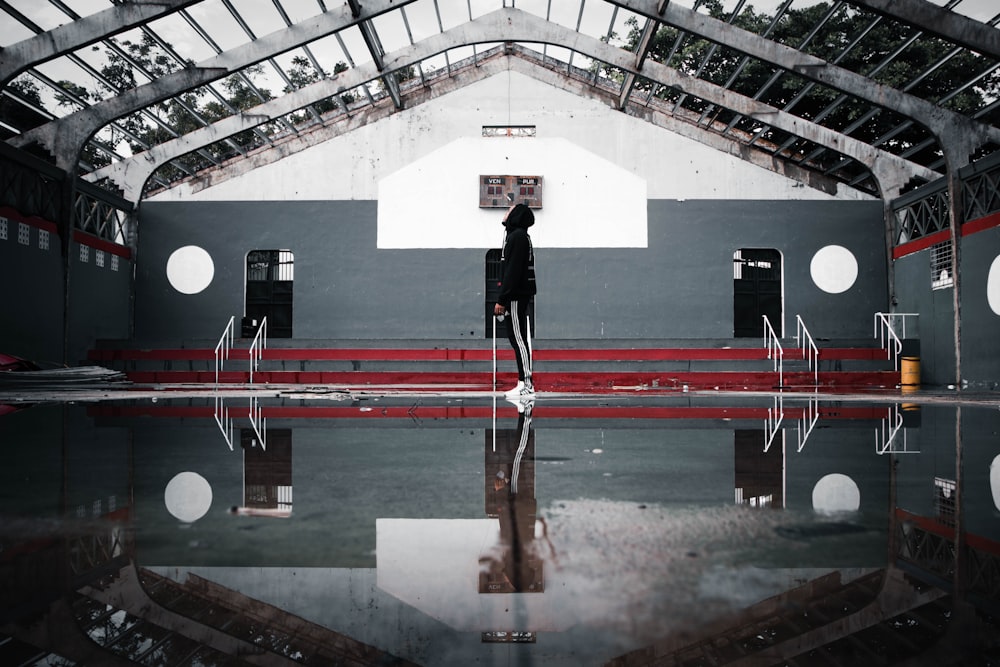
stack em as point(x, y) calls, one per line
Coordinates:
point(588, 202)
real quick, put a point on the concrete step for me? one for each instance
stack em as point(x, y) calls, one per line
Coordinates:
point(583, 381)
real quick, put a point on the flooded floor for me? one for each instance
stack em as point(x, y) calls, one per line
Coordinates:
point(307, 526)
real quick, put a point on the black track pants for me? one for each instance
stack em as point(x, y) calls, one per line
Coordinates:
point(517, 333)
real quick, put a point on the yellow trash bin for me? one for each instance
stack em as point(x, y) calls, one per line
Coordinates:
point(910, 371)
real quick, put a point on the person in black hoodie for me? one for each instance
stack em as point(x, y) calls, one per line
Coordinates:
point(517, 292)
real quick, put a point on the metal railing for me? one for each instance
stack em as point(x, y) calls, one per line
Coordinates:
point(224, 421)
point(809, 350)
point(889, 340)
point(772, 425)
point(223, 347)
point(810, 415)
point(774, 350)
point(258, 422)
point(890, 437)
point(257, 347)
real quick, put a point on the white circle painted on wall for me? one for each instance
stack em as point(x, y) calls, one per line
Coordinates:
point(836, 493)
point(834, 269)
point(190, 269)
point(993, 286)
point(188, 496)
point(995, 481)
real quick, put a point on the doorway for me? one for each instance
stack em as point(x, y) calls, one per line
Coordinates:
point(757, 291)
point(269, 291)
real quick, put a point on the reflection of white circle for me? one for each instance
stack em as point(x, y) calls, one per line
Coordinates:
point(995, 481)
point(993, 286)
point(190, 269)
point(836, 493)
point(188, 496)
point(834, 269)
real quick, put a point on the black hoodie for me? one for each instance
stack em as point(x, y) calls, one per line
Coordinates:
point(517, 263)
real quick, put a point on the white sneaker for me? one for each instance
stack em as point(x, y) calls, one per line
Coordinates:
point(523, 404)
point(521, 390)
point(516, 391)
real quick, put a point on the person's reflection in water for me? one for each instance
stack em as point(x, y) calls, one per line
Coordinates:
point(518, 568)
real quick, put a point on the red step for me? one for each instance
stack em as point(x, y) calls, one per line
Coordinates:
point(557, 381)
point(472, 354)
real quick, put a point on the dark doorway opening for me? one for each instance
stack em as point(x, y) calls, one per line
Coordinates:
point(269, 292)
point(756, 291)
point(759, 479)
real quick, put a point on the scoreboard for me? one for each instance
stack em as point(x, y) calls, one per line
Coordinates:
point(505, 191)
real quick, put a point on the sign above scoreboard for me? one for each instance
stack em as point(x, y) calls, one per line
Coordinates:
point(505, 191)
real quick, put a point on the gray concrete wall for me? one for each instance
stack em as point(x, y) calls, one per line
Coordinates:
point(680, 286)
point(32, 317)
point(980, 325)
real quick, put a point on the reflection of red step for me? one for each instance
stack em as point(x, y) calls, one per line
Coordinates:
point(544, 381)
point(557, 369)
point(316, 410)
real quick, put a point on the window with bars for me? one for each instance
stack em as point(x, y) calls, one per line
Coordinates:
point(944, 500)
point(942, 266)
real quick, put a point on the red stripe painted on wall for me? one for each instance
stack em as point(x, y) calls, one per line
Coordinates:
point(981, 224)
point(101, 244)
point(34, 221)
point(922, 243)
point(971, 227)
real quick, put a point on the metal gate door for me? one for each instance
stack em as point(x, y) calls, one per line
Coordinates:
point(269, 290)
point(756, 291)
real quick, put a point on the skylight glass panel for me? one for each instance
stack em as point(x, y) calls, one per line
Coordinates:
point(299, 10)
point(355, 46)
point(42, 14)
point(422, 19)
point(260, 16)
point(479, 7)
point(453, 14)
point(215, 20)
point(174, 30)
point(87, 7)
point(391, 31)
point(328, 52)
point(981, 10)
point(11, 31)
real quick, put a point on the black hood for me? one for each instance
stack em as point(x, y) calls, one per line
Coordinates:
point(520, 216)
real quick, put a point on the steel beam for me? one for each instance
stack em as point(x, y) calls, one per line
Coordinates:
point(931, 18)
point(642, 51)
point(512, 25)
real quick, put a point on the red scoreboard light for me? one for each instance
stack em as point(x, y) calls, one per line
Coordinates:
point(505, 191)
